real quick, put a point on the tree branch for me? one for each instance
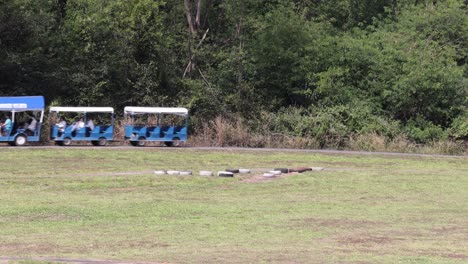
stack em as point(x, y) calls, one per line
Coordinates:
point(190, 62)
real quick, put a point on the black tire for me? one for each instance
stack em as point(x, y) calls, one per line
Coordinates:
point(102, 142)
point(21, 140)
point(168, 143)
point(300, 169)
point(232, 170)
point(66, 141)
point(283, 170)
point(141, 142)
point(176, 142)
point(227, 174)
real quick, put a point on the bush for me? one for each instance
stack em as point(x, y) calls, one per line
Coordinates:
point(329, 127)
point(297, 128)
point(459, 128)
point(424, 131)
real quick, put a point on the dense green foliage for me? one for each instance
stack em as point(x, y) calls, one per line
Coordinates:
point(319, 67)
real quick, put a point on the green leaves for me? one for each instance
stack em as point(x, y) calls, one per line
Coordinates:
point(394, 65)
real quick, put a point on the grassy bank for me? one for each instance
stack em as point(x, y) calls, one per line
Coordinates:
point(299, 133)
point(106, 204)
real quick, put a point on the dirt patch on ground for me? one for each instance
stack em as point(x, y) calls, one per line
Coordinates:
point(6, 259)
point(455, 256)
point(335, 223)
point(365, 240)
point(43, 248)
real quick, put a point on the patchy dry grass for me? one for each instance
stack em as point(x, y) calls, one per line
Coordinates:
point(106, 204)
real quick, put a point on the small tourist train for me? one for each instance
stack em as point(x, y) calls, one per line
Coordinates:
point(22, 119)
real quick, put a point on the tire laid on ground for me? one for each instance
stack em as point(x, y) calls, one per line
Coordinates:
point(102, 142)
point(242, 171)
point(159, 172)
point(185, 173)
point(283, 170)
point(268, 175)
point(206, 173)
point(275, 172)
point(173, 172)
point(21, 140)
point(301, 169)
point(232, 170)
point(225, 174)
point(66, 141)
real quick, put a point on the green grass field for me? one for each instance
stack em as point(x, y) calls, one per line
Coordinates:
point(107, 204)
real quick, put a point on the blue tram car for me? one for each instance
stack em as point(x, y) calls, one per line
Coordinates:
point(92, 124)
point(156, 124)
point(21, 119)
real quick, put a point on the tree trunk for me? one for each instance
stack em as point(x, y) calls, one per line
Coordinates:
point(197, 17)
point(61, 6)
point(188, 14)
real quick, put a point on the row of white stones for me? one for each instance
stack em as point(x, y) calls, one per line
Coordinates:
point(201, 173)
point(272, 173)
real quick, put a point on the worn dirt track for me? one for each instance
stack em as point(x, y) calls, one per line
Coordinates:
point(321, 151)
point(6, 259)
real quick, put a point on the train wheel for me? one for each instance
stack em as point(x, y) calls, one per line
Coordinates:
point(66, 141)
point(102, 142)
point(134, 143)
point(20, 140)
point(141, 141)
point(168, 143)
point(95, 143)
point(176, 142)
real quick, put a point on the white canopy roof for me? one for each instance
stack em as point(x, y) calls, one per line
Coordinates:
point(82, 109)
point(156, 110)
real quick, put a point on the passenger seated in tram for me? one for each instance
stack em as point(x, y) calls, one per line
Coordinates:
point(61, 125)
point(89, 126)
point(6, 126)
point(31, 126)
point(77, 125)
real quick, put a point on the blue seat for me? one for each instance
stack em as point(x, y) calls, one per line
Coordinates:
point(149, 131)
point(182, 130)
point(81, 132)
point(168, 133)
point(155, 132)
point(67, 132)
point(169, 130)
point(142, 132)
point(96, 131)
